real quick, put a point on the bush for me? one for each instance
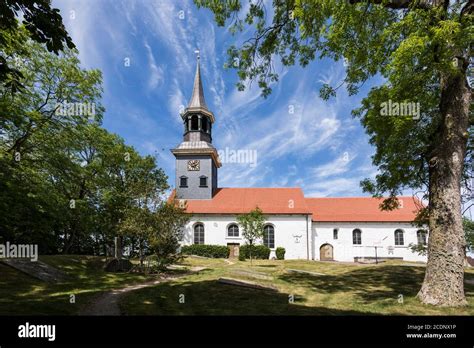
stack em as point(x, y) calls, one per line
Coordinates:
point(214, 251)
point(280, 253)
point(258, 252)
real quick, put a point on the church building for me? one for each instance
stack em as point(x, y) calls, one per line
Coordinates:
point(348, 229)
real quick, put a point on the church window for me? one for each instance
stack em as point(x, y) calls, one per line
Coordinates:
point(269, 236)
point(335, 233)
point(421, 237)
point(194, 122)
point(357, 237)
point(183, 181)
point(203, 181)
point(233, 230)
point(399, 237)
point(199, 234)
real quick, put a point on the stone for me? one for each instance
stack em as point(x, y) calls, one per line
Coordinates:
point(116, 265)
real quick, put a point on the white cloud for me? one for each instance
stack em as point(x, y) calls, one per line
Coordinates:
point(156, 72)
point(333, 187)
point(338, 166)
point(177, 101)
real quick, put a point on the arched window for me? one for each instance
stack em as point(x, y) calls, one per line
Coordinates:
point(233, 230)
point(199, 234)
point(399, 237)
point(194, 122)
point(421, 237)
point(269, 236)
point(204, 124)
point(357, 236)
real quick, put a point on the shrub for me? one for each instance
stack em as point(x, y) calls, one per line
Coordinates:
point(258, 252)
point(280, 253)
point(214, 251)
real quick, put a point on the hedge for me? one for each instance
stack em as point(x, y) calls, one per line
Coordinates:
point(214, 251)
point(258, 252)
point(280, 253)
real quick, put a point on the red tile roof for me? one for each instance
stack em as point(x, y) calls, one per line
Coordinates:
point(352, 209)
point(243, 200)
point(292, 201)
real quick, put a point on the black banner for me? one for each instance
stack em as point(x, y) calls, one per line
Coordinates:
point(162, 330)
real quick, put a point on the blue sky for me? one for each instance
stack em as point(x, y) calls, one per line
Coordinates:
point(318, 147)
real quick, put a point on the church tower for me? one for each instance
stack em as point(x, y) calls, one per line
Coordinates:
point(196, 158)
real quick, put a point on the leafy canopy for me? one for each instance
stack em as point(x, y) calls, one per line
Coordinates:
point(43, 24)
point(410, 44)
point(252, 225)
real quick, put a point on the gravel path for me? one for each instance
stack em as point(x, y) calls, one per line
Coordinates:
point(108, 303)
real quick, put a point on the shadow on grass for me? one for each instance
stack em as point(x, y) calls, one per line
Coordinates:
point(208, 297)
point(21, 294)
point(369, 284)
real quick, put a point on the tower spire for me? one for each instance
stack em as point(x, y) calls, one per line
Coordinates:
point(197, 99)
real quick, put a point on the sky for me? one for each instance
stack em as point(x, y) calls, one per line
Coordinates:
point(146, 52)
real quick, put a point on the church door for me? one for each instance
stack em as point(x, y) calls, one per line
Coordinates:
point(326, 252)
point(234, 250)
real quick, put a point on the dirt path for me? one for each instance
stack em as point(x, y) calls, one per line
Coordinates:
point(108, 303)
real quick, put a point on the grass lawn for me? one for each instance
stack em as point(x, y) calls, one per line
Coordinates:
point(344, 289)
point(21, 294)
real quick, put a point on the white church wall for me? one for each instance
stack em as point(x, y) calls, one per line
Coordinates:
point(380, 234)
point(290, 232)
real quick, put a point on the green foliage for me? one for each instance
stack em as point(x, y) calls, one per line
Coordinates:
point(420, 249)
point(213, 251)
point(252, 225)
point(260, 252)
point(410, 44)
point(469, 233)
point(280, 253)
point(166, 230)
point(43, 25)
point(66, 183)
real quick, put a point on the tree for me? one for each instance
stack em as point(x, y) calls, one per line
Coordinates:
point(145, 186)
point(469, 233)
point(422, 50)
point(166, 232)
point(41, 174)
point(252, 225)
point(43, 24)
point(66, 183)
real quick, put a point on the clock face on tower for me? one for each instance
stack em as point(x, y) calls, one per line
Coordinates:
point(193, 165)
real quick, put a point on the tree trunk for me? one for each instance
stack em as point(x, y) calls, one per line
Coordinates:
point(140, 244)
point(444, 277)
point(69, 241)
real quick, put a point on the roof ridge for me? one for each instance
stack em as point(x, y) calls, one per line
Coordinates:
point(358, 197)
